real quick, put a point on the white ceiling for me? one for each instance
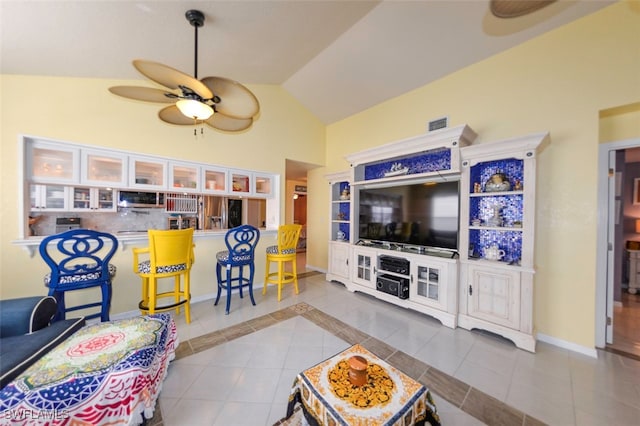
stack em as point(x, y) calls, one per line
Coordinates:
point(336, 57)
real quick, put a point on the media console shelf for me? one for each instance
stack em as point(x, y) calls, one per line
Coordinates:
point(410, 275)
point(415, 281)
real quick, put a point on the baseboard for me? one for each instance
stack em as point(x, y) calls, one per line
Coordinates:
point(202, 298)
point(590, 352)
point(617, 304)
point(315, 268)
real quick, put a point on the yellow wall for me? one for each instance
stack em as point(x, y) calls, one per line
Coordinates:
point(558, 82)
point(83, 111)
point(620, 123)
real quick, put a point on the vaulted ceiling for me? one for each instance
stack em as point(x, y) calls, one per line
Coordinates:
point(336, 57)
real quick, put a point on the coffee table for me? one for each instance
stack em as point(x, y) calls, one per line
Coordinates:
point(389, 397)
point(106, 373)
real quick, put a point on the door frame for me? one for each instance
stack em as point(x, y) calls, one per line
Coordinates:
point(604, 277)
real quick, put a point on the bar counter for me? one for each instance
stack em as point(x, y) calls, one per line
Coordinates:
point(136, 238)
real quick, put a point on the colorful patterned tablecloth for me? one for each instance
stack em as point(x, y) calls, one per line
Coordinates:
point(389, 397)
point(107, 373)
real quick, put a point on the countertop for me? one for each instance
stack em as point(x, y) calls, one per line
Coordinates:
point(128, 238)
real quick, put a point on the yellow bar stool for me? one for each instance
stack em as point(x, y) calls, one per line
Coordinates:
point(282, 253)
point(170, 254)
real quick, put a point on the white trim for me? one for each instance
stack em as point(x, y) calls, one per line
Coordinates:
point(590, 352)
point(600, 317)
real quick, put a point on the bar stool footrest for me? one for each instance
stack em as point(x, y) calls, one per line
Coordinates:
point(142, 307)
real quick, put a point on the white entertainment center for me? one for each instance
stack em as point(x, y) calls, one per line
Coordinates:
point(438, 225)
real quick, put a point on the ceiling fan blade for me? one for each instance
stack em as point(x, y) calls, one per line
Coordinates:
point(516, 8)
point(230, 124)
point(236, 100)
point(172, 115)
point(146, 94)
point(171, 78)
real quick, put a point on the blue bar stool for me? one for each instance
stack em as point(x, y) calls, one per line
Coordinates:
point(241, 243)
point(79, 259)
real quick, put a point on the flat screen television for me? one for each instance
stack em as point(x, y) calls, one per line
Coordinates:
point(421, 214)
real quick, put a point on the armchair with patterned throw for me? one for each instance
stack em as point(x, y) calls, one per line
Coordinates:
point(26, 333)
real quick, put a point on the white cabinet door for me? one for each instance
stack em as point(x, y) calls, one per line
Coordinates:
point(241, 182)
point(364, 264)
point(339, 259)
point(49, 162)
point(147, 173)
point(48, 198)
point(214, 180)
point(93, 199)
point(429, 281)
point(263, 185)
point(184, 177)
point(103, 168)
point(494, 295)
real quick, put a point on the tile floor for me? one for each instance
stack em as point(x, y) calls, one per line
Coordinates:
point(626, 326)
point(238, 369)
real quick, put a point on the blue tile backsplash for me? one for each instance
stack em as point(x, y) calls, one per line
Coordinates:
point(427, 161)
point(511, 167)
point(509, 241)
point(510, 207)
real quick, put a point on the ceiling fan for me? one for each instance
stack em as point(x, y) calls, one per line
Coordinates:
point(221, 103)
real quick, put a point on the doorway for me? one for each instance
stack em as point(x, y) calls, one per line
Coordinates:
point(296, 204)
point(617, 311)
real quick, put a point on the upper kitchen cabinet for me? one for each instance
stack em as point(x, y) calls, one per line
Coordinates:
point(214, 180)
point(103, 168)
point(147, 172)
point(51, 162)
point(241, 182)
point(184, 177)
point(263, 184)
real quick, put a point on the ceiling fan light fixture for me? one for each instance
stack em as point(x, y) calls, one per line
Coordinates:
point(194, 109)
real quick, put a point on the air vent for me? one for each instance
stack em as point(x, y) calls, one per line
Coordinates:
point(439, 123)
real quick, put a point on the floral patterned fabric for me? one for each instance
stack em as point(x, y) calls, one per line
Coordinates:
point(223, 256)
point(145, 268)
point(79, 278)
point(274, 250)
point(388, 398)
point(106, 373)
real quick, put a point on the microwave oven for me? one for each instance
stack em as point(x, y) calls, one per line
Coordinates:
point(140, 199)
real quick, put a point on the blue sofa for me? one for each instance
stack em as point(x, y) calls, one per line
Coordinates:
point(26, 333)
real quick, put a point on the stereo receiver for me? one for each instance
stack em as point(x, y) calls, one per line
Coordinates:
point(394, 264)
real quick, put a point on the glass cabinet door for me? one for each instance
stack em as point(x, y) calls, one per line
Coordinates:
point(48, 162)
point(186, 177)
point(104, 199)
point(104, 168)
point(428, 282)
point(263, 185)
point(147, 173)
point(81, 198)
point(241, 182)
point(214, 180)
point(365, 271)
point(364, 267)
point(48, 197)
point(92, 199)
